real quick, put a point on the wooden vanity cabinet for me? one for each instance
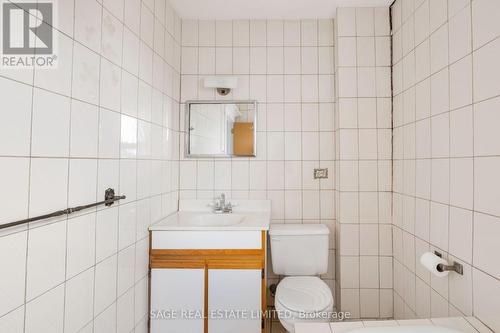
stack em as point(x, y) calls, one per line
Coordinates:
point(208, 290)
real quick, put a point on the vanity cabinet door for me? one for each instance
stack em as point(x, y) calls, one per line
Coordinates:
point(177, 292)
point(232, 292)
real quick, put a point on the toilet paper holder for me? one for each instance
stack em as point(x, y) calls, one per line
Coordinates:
point(456, 267)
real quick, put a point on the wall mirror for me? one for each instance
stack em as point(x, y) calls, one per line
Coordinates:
point(221, 129)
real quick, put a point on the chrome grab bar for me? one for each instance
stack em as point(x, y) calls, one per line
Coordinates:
point(109, 199)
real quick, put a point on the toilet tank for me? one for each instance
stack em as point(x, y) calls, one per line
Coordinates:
point(299, 249)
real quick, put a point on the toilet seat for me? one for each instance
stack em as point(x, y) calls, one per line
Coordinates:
point(304, 294)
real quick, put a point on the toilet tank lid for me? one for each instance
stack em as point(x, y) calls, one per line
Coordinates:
point(298, 229)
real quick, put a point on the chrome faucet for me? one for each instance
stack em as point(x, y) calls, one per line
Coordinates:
point(219, 205)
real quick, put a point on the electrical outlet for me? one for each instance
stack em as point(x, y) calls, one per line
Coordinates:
point(320, 173)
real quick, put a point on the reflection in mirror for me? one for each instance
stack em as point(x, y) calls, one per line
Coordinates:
point(221, 129)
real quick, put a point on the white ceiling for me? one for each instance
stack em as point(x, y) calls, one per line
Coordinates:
point(266, 9)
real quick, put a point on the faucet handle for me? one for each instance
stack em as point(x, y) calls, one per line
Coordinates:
point(228, 207)
point(222, 196)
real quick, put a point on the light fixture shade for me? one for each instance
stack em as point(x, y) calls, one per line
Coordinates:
point(227, 82)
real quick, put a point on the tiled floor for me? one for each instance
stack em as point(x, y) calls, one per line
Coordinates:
point(463, 324)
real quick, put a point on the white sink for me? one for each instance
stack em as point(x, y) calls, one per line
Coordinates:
point(215, 220)
point(197, 215)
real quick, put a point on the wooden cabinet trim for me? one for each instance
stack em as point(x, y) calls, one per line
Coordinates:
point(195, 252)
point(213, 259)
point(264, 282)
point(235, 264)
point(205, 305)
point(188, 264)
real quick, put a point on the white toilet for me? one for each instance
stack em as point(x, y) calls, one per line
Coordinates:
point(300, 252)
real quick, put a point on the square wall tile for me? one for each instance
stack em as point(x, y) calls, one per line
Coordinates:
point(46, 261)
point(81, 244)
point(461, 182)
point(486, 138)
point(486, 70)
point(85, 84)
point(50, 130)
point(350, 268)
point(486, 185)
point(241, 33)
point(79, 301)
point(369, 272)
point(46, 313)
point(15, 124)
point(461, 230)
point(258, 33)
point(275, 33)
point(485, 27)
point(365, 22)
point(12, 284)
point(206, 33)
point(486, 243)
point(349, 242)
point(15, 179)
point(461, 83)
point(486, 300)
point(52, 175)
point(461, 132)
point(460, 34)
point(309, 32)
point(370, 303)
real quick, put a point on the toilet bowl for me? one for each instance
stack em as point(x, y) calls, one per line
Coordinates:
point(301, 299)
point(300, 253)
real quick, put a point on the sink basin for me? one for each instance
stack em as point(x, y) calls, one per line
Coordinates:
point(216, 220)
point(196, 215)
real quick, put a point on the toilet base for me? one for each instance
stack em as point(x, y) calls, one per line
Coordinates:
point(289, 319)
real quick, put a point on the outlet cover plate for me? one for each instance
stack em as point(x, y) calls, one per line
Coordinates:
point(320, 173)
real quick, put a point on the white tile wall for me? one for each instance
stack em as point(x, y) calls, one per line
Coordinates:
point(446, 155)
point(363, 159)
point(106, 117)
point(287, 66)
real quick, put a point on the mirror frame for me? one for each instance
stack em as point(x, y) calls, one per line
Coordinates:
point(188, 154)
